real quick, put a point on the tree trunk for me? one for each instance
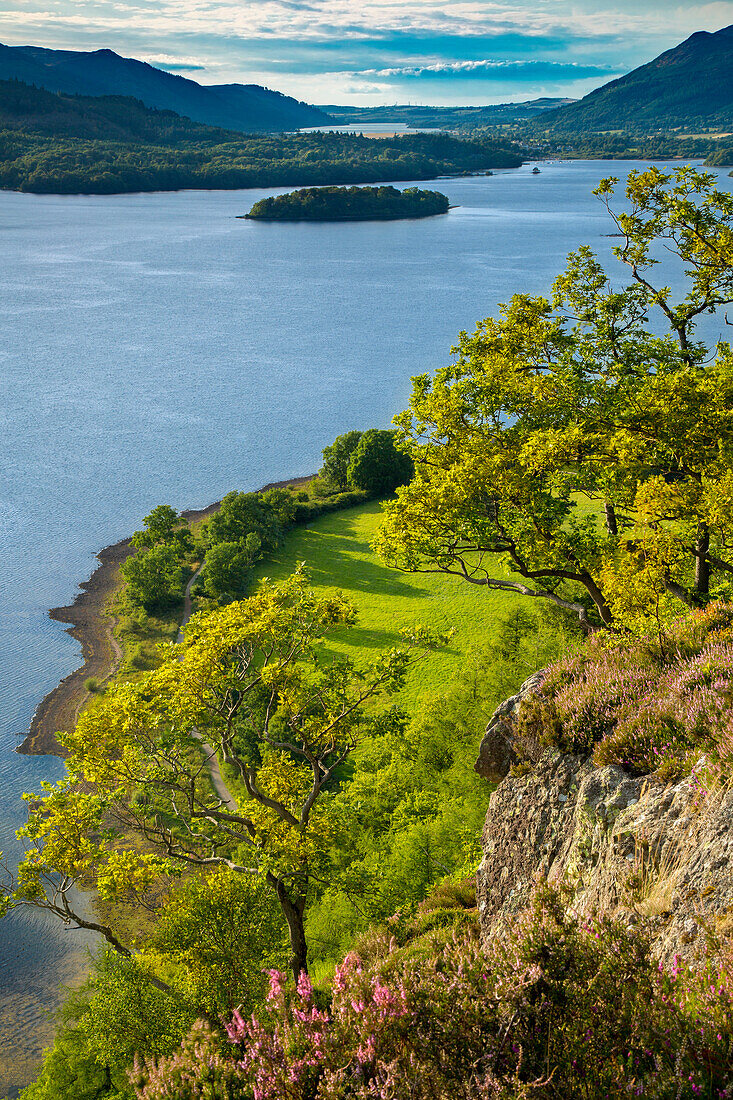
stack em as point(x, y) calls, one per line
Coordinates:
point(611, 524)
point(293, 913)
point(702, 565)
point(598, 599)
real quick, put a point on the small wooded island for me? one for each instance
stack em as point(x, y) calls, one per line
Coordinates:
point(335, 204)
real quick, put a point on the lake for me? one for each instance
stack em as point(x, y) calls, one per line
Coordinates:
point(153, 348)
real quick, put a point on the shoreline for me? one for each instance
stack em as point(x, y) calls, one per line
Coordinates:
point(101, 653)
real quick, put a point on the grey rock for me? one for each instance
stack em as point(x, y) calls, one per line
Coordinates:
point(659, 855)
point(497, 752)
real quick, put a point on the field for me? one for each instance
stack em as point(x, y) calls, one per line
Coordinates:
point(337, 555)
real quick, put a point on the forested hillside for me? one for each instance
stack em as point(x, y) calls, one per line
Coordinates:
point(169, 153)
point(446, 118)
point(32, 110)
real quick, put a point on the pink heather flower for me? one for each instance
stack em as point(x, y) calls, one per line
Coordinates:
point(304, 986)
point(277, 984)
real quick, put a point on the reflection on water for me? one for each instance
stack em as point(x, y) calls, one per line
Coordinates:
point(154, 349)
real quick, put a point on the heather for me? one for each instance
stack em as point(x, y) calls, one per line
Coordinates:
point(557, 1007)
point(659, 703)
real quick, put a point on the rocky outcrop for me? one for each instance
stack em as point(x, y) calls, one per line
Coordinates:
point(627, 846)
point(500, 748)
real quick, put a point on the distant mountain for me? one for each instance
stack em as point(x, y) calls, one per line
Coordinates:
point(34, 110)
point(449, 118)
point(243, 107)
point(690, 85)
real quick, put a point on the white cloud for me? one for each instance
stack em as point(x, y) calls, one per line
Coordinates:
point(326, 19)
point(313, 48)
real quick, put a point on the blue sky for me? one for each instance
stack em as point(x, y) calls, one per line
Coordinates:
point(375, 51)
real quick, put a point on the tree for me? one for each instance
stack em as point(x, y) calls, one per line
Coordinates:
point(336, 459)
point(240, 514)
point(163, 526)
point(377, 465)
point(251, 681)
point(154, 577)
point(572, 453)
point(228, 563)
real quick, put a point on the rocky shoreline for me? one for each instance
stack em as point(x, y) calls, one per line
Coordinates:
point(94, 628)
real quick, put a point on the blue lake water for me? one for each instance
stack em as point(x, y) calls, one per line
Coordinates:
point(155, 349)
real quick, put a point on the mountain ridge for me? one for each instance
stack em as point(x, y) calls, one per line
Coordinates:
point(241, 107)
point(692, 83)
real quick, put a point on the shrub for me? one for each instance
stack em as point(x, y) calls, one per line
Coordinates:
point(377, 465)
point(558, 1007)
point(647, 704)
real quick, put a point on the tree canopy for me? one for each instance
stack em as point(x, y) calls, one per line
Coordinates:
point(580, 448)
point(336, 459)
point(376, 464)
point(350, 204)
point(249, 682)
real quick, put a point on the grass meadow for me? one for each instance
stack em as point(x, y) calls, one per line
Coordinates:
point(338, 557)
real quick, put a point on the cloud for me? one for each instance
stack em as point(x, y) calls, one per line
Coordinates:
point(325, 19)
point(322, 49)
point(496, 70)
point(172, 64)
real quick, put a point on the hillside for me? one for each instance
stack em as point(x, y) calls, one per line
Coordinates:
point(446, 118)
point(69, 165)
point(690, 85)
point(243, 107)
point(28, 109)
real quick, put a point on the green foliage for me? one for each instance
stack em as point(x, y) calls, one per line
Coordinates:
point(251, 678)
point(350, 204)
point(415, 803)
point(377, 465)
point(219, 934)
point(116, 1015)
point(557, 1006)
point(242, 514)
point(154, 577)
point(44, 164)
point(163, 527)
point(227, 565)
point(564, 411)
point(213, 938)
point(336, 459)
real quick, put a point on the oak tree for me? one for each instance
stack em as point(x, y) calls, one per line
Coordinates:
point(579, 449)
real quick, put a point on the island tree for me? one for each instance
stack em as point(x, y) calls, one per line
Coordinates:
point(580, 449)
point(137, 802)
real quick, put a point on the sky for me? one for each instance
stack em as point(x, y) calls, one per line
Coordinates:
point(375, 52)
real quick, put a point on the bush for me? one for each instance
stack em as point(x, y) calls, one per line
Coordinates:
point(306, 511)
point(558, 1007)
point(376, 465)
point(651, 704)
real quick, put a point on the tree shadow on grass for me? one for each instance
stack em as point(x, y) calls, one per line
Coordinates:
point(362, 637)
point(335, 565)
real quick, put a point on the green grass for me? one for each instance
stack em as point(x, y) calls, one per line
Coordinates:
point(337, 555)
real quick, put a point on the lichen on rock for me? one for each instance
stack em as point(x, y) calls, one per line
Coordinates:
point(625, 845)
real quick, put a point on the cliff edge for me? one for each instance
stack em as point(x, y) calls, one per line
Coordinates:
point(628, 846)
